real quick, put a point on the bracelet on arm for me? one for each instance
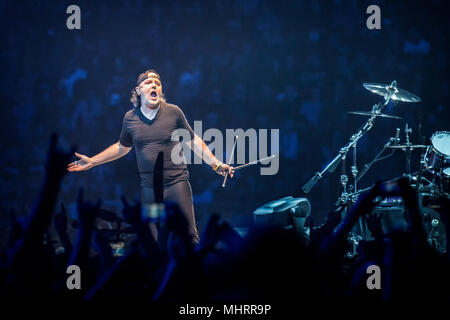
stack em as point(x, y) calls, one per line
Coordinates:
point(216, 166)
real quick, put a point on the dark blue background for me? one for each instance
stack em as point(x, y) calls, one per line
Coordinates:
point(293, 65)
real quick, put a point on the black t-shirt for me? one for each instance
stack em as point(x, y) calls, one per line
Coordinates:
point(149, 137)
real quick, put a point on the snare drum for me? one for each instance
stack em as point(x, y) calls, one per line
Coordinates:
point(439, 151)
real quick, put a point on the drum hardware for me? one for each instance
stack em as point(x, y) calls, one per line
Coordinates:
point(435, 230)
point(421, 166)
point(445, 181)
point(408, 150)
point(432, 181)
point(354, 240)
point(434, 234)
point(429, 194)
point(434, 164)
point(392, 142)
point(439, 152)
point(407, 132)
point(410, 146)
point(378, 114)
point(342, 153)
point(392, 216)
point(354, 195)
point(343, 199)
point(389, 92)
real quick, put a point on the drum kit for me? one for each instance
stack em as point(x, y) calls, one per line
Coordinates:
point(432, 180)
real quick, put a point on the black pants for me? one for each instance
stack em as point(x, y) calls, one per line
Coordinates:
point(179, 193)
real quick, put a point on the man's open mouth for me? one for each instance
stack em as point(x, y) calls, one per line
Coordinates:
point(153, 94)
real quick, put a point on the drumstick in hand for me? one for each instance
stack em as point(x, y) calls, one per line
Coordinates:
point(229, 161)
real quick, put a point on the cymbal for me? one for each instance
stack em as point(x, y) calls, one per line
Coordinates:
point(391, 92)
point(412, 146)
point(378, 114)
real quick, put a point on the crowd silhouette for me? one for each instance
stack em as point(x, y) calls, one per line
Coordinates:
point(268, 262)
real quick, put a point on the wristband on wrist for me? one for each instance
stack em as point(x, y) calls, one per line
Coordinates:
point(216, 166)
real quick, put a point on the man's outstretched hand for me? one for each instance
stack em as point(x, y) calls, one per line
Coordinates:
point(84, 163)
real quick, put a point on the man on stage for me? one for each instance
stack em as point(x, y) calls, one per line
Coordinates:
point(148, 127)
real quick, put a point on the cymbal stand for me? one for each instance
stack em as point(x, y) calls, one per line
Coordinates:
point(354, 168)
point(346, 198)
point(344, 178)
point(408, 149)
point(342, 153)
point(349, 198)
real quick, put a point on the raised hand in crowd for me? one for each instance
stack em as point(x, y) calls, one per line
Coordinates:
point(336, 239)
point(87, 212)
point(133, 215)
point(183, 266)
point(180, 244)
point(101, 242)
point(60, 222)
point(16, 229)
point(218, 230)
point(444, 212)
point(29, 248)
point(41, 215)
point(374, 225)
